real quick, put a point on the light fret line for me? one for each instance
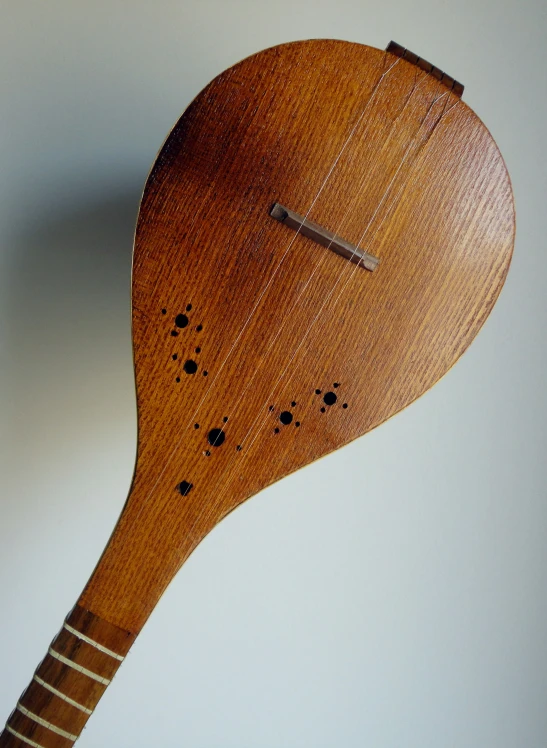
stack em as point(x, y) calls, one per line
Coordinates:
point(93, 643)
point(18, 735)
point(46, 724)
point(79, 668)
point(62, 695)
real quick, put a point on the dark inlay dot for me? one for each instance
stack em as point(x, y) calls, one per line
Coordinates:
point(207, 453)
point(225, 419)
point(336, 384)
point(178, 379)
point(323, 410)
point(196, 425)
point(174, 333)
point(188, 307)
point(293, 403)
point(174, 356)
point(271, 408)
point(164, 311)
point(317, 392)
point(276, 430)
point(205, 373)
point(199, 328)
point(198, 350)
point(190, 367)
point(238, 447)
point(330, 398)
point(345, 405)
point(285, 417)
point(184, 487)
point(297, 423)
point(181, 320)
point(216, 437)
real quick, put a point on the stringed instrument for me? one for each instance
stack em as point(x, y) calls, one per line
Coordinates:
point(321, 236)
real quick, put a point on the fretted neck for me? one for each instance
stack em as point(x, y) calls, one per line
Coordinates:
point(69, 682)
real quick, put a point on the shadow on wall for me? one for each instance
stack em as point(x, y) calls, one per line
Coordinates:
point(67, 324)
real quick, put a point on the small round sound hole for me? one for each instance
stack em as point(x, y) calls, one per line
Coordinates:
point(285, 417)
point(181, 320)
point(190, 367)
point(216, 437)
point(330, 398)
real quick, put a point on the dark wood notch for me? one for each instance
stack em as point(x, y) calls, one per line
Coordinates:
point(454, 85)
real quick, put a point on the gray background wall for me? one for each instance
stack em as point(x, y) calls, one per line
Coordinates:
point(424, 623)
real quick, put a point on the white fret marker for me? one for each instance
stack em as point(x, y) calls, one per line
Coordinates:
point(46, 724)
point(95, 644)
point(62, 695)
point(28, 741)
point(77, 667)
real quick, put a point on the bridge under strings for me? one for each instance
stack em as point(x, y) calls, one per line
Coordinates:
point(324, 237)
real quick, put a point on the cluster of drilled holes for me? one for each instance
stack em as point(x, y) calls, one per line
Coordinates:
point(216, 437)
point(181, 321)
point(330, 397)
point(286, 417)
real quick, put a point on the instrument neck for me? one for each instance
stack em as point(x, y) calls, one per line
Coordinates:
point(69, 682)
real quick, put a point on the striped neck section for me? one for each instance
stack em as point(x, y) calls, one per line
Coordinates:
point(69, 682)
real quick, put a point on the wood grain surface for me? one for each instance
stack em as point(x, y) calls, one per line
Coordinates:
point(258, 351)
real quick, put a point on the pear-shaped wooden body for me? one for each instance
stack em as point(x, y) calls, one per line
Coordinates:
point(256, 349)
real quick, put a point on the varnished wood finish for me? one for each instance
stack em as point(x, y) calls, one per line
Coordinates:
point(237, 317)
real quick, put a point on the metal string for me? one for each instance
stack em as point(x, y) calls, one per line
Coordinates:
point(365, 178)
point(268, 284)
point(355, 268)
point(293, 239)
point(323, 255)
